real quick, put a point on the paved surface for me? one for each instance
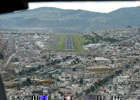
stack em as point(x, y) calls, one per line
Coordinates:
point(69, 44)
point(2, 88)
point(8, 61)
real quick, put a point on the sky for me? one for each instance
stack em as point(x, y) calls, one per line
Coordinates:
point(104, 7)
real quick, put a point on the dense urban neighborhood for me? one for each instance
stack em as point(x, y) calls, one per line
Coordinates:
point(100, 65)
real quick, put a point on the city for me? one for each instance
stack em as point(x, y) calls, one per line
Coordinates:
point(100, 65)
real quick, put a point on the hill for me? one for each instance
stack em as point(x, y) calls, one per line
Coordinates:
point(70, 21)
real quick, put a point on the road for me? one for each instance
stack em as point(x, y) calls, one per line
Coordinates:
point(2, 88)
point(8, 61)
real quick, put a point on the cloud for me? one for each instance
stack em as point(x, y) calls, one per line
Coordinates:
point(103, 6)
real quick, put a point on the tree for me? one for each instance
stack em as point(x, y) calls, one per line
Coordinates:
point(87, 91)
point(129, 26)
point(74, 69)
point(1, 56)
point(81, 81)
point(92, 88)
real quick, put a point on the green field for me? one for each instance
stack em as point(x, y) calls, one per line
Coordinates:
point(60, 43)
point(78, 42)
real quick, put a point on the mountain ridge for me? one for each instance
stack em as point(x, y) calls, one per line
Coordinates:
point(59, 20)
